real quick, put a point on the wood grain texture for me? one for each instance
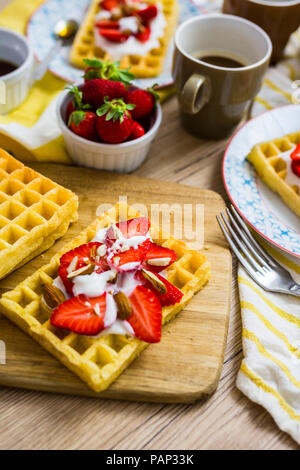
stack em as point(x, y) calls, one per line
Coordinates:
point(187, 363)
point(227, 420)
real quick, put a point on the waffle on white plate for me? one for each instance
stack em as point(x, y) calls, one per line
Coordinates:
point(99, 360)
point(272, 162)
point(143, 65)
point(34, 212)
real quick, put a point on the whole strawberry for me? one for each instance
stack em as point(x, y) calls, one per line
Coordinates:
point(144, 101)
point(76, 102)
point(83, 123)
point(136, 131)
point(114, 122)
point(94, 91)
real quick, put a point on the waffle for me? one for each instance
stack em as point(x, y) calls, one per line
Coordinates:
point(98, 361)
point(34, 212)
point(273, 169)
point(149, 65)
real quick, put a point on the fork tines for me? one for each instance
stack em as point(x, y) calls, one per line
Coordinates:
point(249, 253)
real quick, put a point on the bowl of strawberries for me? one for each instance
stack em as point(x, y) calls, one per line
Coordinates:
point(108, 123)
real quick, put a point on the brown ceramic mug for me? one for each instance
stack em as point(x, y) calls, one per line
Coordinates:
point(214, 98)
point(278, 18)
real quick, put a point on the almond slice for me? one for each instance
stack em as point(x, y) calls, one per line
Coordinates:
point(88, 269)
point(155, 281)
point(159, 261)
point(123, 304)
point(52, 295)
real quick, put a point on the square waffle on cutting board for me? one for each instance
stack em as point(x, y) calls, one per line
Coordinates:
point(34, 212)
point(150, 64)
point(273, 164)
point(186, 364)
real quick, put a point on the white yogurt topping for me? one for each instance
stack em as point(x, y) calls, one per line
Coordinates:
point(291, 178)
point(93, 284)
point(133, 46)
point(110, 312)
point(100, 235)
point(120, 327)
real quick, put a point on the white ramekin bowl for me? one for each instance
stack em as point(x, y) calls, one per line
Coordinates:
point(123, 158)
point(15, 85)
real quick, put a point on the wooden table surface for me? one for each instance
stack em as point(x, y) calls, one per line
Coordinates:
point(227, 420)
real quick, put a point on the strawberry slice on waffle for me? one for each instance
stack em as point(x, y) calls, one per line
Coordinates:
point(146, 316)
point(81, 314)
point(172, 295)
point(78, 258)
point(138, 227)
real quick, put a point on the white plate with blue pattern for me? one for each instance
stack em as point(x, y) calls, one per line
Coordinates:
point(263, 209)
point(40, 34)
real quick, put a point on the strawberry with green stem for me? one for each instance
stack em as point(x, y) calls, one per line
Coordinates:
point(114, 122)
point(76, 102)
point(83, 123)
point(107, 70)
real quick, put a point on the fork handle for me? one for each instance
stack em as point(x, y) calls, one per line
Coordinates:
point(294, 289)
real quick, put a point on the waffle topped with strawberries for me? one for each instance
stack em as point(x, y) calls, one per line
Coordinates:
point(114, 284)
point(135, 32)
point(101, 301)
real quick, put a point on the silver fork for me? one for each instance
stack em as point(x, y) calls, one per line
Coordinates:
point(263, 269)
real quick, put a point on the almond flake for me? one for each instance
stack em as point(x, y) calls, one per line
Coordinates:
point(97, 310)
point(52, 295)
point(117, 232)
point(159, 261)
point(155, 281)
point(88, 269)
point(123, 304)
point(116, 260)
point(101, 250)
point(72, 265)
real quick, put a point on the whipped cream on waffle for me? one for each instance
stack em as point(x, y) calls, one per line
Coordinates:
point(132, 46)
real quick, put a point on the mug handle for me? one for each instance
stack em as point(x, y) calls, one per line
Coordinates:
point(195, 94)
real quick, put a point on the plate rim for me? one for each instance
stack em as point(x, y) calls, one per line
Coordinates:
point(226, 185)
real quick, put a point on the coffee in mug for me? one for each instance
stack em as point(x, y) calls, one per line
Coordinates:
point(218, 67)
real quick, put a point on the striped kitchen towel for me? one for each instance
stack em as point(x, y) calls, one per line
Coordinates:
point(270, 371)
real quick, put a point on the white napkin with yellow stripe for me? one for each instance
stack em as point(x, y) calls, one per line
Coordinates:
point(270, 371)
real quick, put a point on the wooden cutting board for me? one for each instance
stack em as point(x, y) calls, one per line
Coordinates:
point(186, 364)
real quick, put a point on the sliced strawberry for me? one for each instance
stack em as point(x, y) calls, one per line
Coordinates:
point(85, 254)
point(296, 167)
point(147, 14)
point(146, 315)
point(113, 35)
point(157, 252)
point(107, 24)
point(171, 297)
point(131, 259)
point(138, 227)
point(81, 314)
point(144, 35)
point(295, 155)
point(109, 4)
